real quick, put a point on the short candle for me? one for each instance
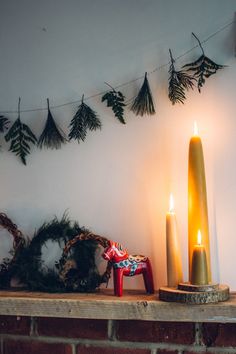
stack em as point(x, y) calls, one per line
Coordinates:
point(199, 275)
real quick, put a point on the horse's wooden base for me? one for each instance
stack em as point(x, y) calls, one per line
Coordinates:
point(195, 294)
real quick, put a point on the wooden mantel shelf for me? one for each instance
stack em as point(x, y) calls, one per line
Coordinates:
point(133, 305)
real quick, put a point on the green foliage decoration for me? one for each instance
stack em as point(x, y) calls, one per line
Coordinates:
point(179, 81)
point(203, 67)
point(76, 269)
point(4, 123)
point(115, 100)
point(21, 137)
point(143, 103)
point(84, 119)
point(52, 136)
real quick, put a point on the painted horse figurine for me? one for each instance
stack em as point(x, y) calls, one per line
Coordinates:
point(128, 265)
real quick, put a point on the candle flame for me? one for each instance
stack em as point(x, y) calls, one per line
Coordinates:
point(199, 238)
point(171, 205)
point(195, 129)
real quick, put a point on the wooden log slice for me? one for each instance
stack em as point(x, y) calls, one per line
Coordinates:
point(197, 288)
point(193, 297)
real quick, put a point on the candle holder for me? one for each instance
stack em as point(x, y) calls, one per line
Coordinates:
point(195, 294)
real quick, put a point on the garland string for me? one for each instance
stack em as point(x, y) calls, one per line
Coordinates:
point(127, 82)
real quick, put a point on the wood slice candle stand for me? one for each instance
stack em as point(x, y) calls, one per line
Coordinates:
point(195, 294)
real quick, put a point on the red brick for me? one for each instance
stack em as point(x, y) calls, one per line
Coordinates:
point(72, 328)
point(150, 331)
point(167, 351)
point(82, 349)
point(222, 335)
point(14, 325)
point(210, 333)
point(193, 352)
point(34, 347)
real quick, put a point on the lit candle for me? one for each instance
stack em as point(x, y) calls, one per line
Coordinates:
point(197, 200)
point(174, 264)
point(199, 275)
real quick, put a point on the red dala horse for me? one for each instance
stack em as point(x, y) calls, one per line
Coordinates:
point(128, 265)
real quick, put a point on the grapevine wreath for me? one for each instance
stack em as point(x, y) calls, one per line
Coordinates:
point(76, 270)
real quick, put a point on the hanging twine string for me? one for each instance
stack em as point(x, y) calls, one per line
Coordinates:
point(127, 83)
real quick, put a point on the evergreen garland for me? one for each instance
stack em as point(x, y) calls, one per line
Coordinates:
point(203, 67)
point(52, 136)
point(21, 136)
point(85, 118)
point(115, 100)
point(143, 103)
point(179, 81)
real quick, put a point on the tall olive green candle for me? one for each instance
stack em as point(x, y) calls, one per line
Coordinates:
point(197, 200)
point(199, 275)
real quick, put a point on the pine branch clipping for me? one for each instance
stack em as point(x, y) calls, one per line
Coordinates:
point(179, 81)
point(21, 136)
point(143, 103)
point(115, 100)
point(52, 136)
point(203, 67)
point(84, 119)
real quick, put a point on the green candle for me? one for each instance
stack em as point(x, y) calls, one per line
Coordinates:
point(199, 275)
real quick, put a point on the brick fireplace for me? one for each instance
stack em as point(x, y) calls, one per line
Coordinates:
point(45, 335)
point(102, 323)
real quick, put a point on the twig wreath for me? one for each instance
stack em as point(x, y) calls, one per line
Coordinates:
point(7, 266)
point(76, 270)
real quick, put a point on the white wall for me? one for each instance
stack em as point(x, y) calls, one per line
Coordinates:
point(117, 183)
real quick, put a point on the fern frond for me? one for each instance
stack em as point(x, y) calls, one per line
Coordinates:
point(85, 118)
point(203, 67)
point(4, 123)
point(20, 136)
point(179, 81)
point(115, 100)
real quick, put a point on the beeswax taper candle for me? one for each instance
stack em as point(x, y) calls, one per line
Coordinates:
point(197, 200)
point(173, 257)
point(199, 275)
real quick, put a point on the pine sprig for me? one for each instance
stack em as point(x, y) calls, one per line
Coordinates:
point(52, 136)
point(203, 67)
point(143, 103)
point(115, 100)
point(179, 81)
point(4, 123)
point(21, 137)
point(84, 119)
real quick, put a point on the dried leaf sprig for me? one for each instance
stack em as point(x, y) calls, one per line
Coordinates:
point(143, 103)
point(4, 124)
point(85, 118)
point(52, 136)
point(203, 67)
point(115, 100)
point(179, 81)
point(21, 137)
